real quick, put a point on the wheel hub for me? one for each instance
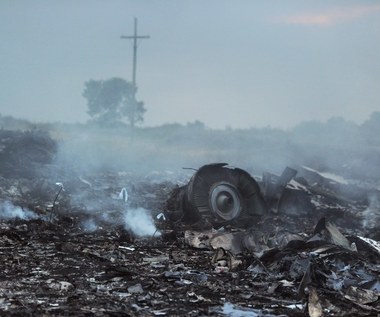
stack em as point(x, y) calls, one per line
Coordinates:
point(225, 201)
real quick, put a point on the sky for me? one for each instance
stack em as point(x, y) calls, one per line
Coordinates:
point(238, 64)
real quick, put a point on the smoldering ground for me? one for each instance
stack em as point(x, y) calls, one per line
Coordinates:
point(86, 257)
point(160, 154)
point(9, 211)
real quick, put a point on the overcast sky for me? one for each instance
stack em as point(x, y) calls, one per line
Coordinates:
point(226, 63)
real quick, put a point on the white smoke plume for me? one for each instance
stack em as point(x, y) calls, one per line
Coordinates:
point(10, 211)
point(371, 216)
point(89, 225)
point(140, 222)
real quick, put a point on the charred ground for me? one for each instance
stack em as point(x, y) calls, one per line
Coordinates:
point(72, 254)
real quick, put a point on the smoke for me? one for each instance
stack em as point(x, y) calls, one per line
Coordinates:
point(90, 149)
point(371, 216)
point(140, 222)
point(335, 146)
point(10, 211)
point(89, 225)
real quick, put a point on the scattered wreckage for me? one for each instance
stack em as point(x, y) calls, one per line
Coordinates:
point(219, 194)
point(223, 243)
point(325, 264)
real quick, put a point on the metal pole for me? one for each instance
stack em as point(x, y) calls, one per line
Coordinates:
point(134, 55)
point(135, 37)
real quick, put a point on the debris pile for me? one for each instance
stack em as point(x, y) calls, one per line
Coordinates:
point(223, 243)
point(219, 194)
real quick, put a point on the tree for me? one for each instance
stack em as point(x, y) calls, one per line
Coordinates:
point(111, 101)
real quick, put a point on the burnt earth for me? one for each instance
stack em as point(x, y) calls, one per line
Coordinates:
point(55, 263)
point(47, 270)
point(52, 266)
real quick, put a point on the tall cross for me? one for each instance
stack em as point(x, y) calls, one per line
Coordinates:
point(135, 37)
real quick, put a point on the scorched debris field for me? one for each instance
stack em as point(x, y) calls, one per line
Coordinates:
point(119, 244)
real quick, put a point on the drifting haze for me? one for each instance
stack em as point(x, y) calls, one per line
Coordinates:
point(9, 211)
point(238, 64)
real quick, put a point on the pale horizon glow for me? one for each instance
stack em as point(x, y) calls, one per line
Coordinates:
point(332, 16)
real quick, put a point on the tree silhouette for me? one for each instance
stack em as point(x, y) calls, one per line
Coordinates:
point(112, 101)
